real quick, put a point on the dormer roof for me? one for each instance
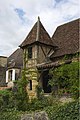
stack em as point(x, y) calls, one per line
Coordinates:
point(15, 60)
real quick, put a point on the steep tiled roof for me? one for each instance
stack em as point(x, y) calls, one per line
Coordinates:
point(15, 59)
point(37, 34)
point(2, 76)
point(66, 37)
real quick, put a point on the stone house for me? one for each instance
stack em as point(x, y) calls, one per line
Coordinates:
point(41, 52)
point(36, 47)
point(14, 67)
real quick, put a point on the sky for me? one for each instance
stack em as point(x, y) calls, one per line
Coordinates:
point(17, 17)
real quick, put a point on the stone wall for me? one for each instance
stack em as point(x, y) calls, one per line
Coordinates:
point(39, 53)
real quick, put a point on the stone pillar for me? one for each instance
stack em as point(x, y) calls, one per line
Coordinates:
point(13, 75)
point(7, 76)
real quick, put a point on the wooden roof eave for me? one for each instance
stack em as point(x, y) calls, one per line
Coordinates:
point(37, 43)
point(52, 64)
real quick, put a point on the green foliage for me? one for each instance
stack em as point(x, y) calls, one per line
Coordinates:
point(67, 57)
point(67, 78)
point(40, 104)
point(10, 114)
point(20, 96)
point(4, 92)
point(39, 92)
point(70, 56)
point(52, 106)
point(4, 98)
point(34, 104)
point(69, 111)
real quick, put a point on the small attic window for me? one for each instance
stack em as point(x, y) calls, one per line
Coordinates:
point(29, 52)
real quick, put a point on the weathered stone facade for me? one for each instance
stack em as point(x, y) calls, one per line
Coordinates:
point(38, 52)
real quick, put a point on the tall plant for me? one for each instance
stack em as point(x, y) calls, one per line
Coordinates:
point(21, 95)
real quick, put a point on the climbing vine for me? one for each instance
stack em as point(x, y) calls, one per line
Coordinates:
point(66, 77)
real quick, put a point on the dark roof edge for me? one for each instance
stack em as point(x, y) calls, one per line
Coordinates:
point(69, 22)
point(65, 54)
point(63, 25)
point(37, 42)
point(3, 57)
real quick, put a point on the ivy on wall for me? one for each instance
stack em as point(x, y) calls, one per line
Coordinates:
point(66, 77)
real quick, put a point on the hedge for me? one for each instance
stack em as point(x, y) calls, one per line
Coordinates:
point(10, 114)
point(68, 111)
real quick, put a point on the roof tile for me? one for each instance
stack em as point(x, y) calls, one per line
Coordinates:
point(66, 37)
point(15, 59)
point(37, 34)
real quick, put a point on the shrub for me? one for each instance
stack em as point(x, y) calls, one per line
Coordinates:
point(66, 77)
point(1, 102)
point(69, 111)
point(10, 114)
point(20, 96)
point(40, 104)
point(5, 96)
point(39, 92)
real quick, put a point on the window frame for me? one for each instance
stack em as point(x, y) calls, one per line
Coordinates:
point(30, 52)
point(30, 84)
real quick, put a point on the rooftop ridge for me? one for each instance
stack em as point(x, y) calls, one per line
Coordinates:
point(38, 29)
point(78, 19)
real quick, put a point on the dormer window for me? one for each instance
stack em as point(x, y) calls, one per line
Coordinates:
point(29, 52)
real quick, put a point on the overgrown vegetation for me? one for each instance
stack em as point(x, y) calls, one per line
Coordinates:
point(70, 56)
point(66, 79)
point(40, 92)
point(54, 109)
point(20, 95)
point(68, 111)
point(10, 114)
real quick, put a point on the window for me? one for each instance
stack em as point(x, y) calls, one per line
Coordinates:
point(10, 75)
point(30, 52)
point(30, 84)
